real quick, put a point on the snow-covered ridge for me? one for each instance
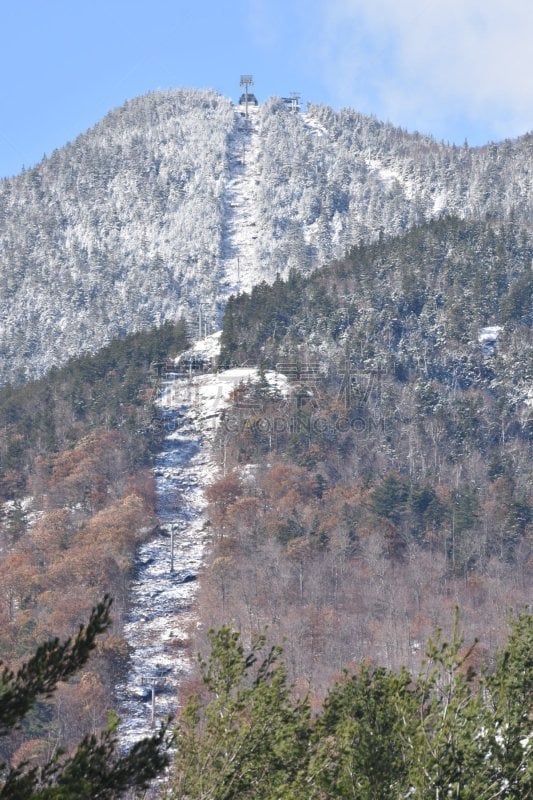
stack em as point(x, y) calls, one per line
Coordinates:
point(175, 200)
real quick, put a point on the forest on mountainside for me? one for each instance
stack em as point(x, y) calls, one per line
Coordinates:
point(79, 497)
point(394, 481)
point(428, 291)
point(123, 223)
point(352, 514)
point(129, 223)
point(342, 178)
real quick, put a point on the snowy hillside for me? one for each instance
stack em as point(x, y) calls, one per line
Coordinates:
point(175, 200)
point(119, 231)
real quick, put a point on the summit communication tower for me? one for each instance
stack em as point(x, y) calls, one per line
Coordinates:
point(246, 81)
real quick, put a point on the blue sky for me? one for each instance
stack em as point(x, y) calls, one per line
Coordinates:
point(454, 68)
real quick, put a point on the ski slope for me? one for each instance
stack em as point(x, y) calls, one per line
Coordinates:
point(240, 268)
point(163, 591)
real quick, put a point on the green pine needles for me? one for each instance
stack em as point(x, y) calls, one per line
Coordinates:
point(96, 769)
point(453, 731)
point(456, 731)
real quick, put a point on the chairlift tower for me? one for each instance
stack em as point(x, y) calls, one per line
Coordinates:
point(295, 101)
point(202, 320)
point(246, 81)
point(153, 682)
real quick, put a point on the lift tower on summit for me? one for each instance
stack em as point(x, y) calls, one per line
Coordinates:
point(246, 81)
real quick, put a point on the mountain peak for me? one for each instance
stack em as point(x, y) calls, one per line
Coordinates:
point(175, 200)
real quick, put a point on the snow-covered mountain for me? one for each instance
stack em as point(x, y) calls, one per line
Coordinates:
point(175, 200)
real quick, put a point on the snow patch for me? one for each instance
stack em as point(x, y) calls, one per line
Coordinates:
point(389, 177)
point(314, 125)
point(207, 348)
point(206, 396)
point(489, 334)
point(488, 338)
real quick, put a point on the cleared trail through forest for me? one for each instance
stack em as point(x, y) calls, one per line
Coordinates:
point(162, 599)
point(240, 268)
point(162, 593)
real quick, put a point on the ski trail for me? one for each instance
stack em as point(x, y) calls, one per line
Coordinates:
point(240, 268)
point(161, 597)
point(162, 600)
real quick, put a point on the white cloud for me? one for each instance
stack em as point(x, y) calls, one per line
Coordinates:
point(428, 64)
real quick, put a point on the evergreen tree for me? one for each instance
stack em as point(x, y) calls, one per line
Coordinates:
point(359, 741)
point(506, 716)
point(251, 738)
point(446, 733)
point(96, 769)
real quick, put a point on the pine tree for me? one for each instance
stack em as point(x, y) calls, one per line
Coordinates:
point(359, 741)
point(506, 718)
point(446, 734)
point(249, 741)
point(95, 769)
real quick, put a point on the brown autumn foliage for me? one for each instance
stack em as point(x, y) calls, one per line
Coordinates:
point(222, 494)
point(34, 752)
point(89, 515)
point(83, 474)
point(357, 546)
